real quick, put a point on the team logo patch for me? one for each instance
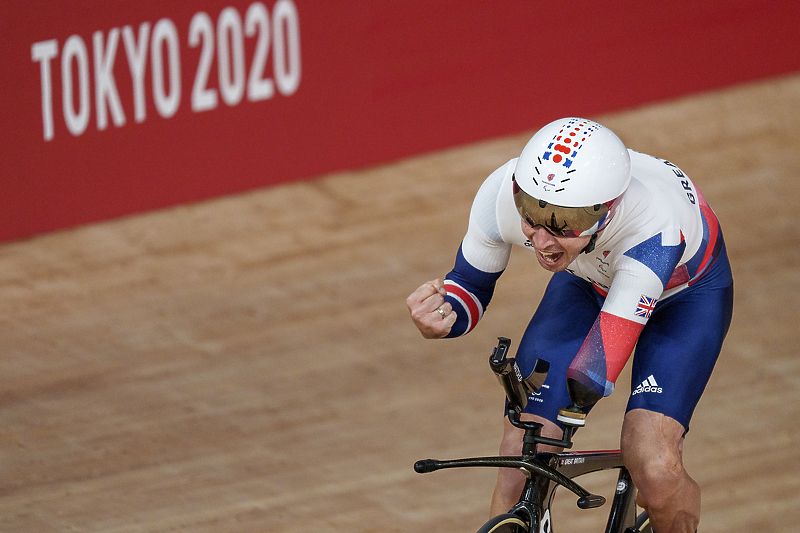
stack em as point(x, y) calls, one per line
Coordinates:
point(645, 307)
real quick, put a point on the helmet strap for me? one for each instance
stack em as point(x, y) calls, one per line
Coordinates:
point(590, 247)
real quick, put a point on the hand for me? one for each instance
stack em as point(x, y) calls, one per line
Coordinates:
point(432, 316)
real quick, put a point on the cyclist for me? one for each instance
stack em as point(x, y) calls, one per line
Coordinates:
point(638, 259)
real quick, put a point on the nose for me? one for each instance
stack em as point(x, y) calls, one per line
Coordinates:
point(540, 237)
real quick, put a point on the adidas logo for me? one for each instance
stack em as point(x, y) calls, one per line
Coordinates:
point(648, 385)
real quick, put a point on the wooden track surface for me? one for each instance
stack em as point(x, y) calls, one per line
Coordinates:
point(247, 364)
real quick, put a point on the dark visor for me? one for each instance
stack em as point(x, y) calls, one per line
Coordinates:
point(558, 220)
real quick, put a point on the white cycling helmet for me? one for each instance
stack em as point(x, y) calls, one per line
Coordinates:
point(570, 176)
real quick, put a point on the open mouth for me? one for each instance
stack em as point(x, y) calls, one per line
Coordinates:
point(551, 257)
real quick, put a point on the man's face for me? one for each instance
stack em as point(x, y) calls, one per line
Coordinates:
point(554, 253)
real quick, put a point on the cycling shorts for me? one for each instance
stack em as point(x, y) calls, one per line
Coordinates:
point(674, 356)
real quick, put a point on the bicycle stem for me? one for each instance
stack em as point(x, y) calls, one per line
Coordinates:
point(533, 433)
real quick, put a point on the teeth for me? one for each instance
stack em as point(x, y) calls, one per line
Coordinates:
point(551, 257)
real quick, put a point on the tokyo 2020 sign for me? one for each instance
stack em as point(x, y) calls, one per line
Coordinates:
point(114, 108)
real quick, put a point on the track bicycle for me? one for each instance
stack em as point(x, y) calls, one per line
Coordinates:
point(546, 471)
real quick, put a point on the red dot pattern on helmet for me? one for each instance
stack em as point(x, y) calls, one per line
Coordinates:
point(568, 142)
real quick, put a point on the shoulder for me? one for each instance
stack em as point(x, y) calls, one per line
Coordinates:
point(642, 160)
point(494, 221)
point(494, 200)
point(662, 178)
point(493, 184)
point(657, 220)
point(659, 192)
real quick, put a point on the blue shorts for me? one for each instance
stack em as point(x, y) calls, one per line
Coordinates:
point(674, 356)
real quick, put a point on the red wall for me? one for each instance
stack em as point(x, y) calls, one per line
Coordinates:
point(375, 81)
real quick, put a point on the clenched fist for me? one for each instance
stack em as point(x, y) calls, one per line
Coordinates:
point(432, 316)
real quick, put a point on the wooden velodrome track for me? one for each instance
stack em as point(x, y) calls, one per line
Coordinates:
point(247, 364)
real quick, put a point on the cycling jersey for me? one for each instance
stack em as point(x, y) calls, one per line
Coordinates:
point(662, 240)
